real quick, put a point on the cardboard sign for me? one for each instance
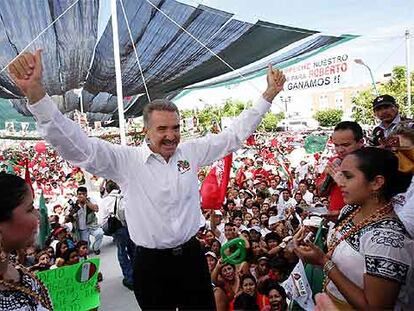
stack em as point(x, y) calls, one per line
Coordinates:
point(73, 288)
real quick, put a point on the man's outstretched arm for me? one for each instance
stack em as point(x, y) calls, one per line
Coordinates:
point(96, 156)
point(213, 147)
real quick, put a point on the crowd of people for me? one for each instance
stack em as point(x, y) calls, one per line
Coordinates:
point(262, 206)
point(346, 212)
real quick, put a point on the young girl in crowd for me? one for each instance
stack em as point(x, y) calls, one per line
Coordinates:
point(42, 262)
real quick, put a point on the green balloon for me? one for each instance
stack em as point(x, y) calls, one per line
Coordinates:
point(238, 255)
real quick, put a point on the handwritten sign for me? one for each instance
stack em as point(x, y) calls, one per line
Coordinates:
point(73, 288)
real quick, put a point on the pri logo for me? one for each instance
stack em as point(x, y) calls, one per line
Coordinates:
point(183, 166)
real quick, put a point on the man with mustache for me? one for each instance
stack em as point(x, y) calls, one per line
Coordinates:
point(386, 110)
point(159, 182)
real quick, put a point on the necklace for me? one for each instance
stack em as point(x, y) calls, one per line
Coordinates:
point(42, 298)
point(377, 215)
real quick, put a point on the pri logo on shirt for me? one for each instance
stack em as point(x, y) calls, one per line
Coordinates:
point(183, 166)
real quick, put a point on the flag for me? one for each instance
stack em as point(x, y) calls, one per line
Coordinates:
point(27, 178)
point(315, 274)
point(315, 143)
point(240, 177)
point(44, 226)
point(298, 289)
point(214, 187)
point(10, 169)
point(284, 170)
point(250, 141)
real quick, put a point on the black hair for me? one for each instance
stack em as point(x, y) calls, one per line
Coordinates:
point(304, 182)
point(67, 253)
point(245, 302)
point(81, 243)
point(261, 194)
point(247, 276)
point(377, 161)
point(227, 264)
point(236, 213)
point(110, 185)
point(82, 189)
point(58, 252)
point(352, 126)
point(12, 191)
point(269, 285)
point(272, 236)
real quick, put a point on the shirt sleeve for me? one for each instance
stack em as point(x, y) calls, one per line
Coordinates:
point(214, 147)
point(387, 252)
point(94, 155)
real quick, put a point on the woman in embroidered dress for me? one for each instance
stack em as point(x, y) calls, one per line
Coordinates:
point(369, 260)
point(19, 288)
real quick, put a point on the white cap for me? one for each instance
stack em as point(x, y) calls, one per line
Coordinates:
point(212, 254)
point(255, 228)
point(312, 221)
point(218, 212)
point(275, 219)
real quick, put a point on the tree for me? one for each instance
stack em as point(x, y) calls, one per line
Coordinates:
point(206, 116)
point(329, 117)
point(362, 107)
point(396, 86)
point(270, 121)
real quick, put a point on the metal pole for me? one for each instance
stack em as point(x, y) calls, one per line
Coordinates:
point(117, 59)
point(373, 80)
point(81, 101)
point(407, 60)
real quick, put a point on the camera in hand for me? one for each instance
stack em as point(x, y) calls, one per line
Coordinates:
point(74, 207)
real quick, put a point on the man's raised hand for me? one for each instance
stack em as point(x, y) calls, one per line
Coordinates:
point(275, 81)
point(26, 72)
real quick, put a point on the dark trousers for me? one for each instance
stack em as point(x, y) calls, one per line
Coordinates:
point(173, 278)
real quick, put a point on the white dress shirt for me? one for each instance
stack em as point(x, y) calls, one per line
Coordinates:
point(404, 208)
point(282, 205)
point(161, 198)
point(106, 208)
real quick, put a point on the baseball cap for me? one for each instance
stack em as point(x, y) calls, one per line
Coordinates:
point(58, 231)
point(218, 213)
point(255, 228)
point(275, 219)
point(383, 100)
point(212, 254)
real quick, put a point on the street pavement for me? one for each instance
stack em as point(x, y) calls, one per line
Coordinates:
point(114, 296)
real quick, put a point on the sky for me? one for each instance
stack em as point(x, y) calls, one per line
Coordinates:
point(380, 24)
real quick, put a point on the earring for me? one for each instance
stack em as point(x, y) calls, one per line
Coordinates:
point(375, 195)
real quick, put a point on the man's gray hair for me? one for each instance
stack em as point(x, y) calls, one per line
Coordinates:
point(159, 105)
